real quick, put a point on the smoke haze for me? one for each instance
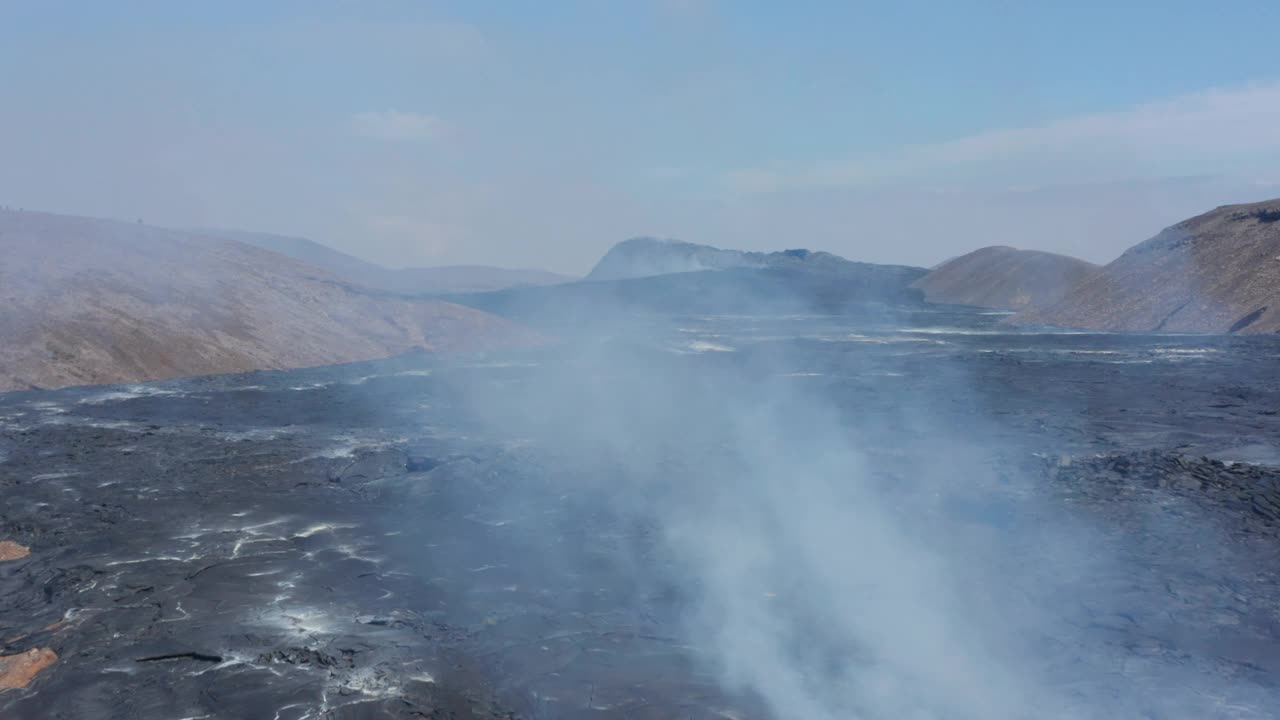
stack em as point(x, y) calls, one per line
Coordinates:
point(841, 548)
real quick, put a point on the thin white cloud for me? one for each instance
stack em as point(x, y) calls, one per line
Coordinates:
point(1216, 130)
point(396, 126)
point(1219, 121)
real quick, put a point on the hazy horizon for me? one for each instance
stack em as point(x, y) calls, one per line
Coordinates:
point(413, 134)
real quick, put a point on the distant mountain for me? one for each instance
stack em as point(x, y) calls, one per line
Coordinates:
point(1004, 278)
point(1216, 273)
point(702, 279)
point(406, 281)
point(99, 301)
point(648, 257)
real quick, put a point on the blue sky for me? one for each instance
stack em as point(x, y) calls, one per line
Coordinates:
point(539, 133)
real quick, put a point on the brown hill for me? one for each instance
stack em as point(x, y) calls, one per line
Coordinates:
point(98, 301)
point(1004, 278)
point(1215, 273)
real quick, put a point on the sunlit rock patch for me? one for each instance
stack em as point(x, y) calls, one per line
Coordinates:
point(10, 550)
point(17, 671)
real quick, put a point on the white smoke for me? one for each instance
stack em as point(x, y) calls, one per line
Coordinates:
point(840, 561)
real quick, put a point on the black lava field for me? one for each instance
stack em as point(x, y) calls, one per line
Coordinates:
point(930, 515)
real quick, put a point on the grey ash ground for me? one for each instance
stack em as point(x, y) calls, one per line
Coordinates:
point(342, 542)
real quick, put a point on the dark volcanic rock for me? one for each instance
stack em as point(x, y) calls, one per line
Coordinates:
point(1250, 493)
point(402, 539)
point(211, 565)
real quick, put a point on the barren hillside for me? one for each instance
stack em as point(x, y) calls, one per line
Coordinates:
point(1216, 273)
point(99, 301)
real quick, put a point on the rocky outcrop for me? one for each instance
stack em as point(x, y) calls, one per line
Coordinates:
point(1215, 273)
point(1250, 491)
point(96, 301)
point(1004, 278)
